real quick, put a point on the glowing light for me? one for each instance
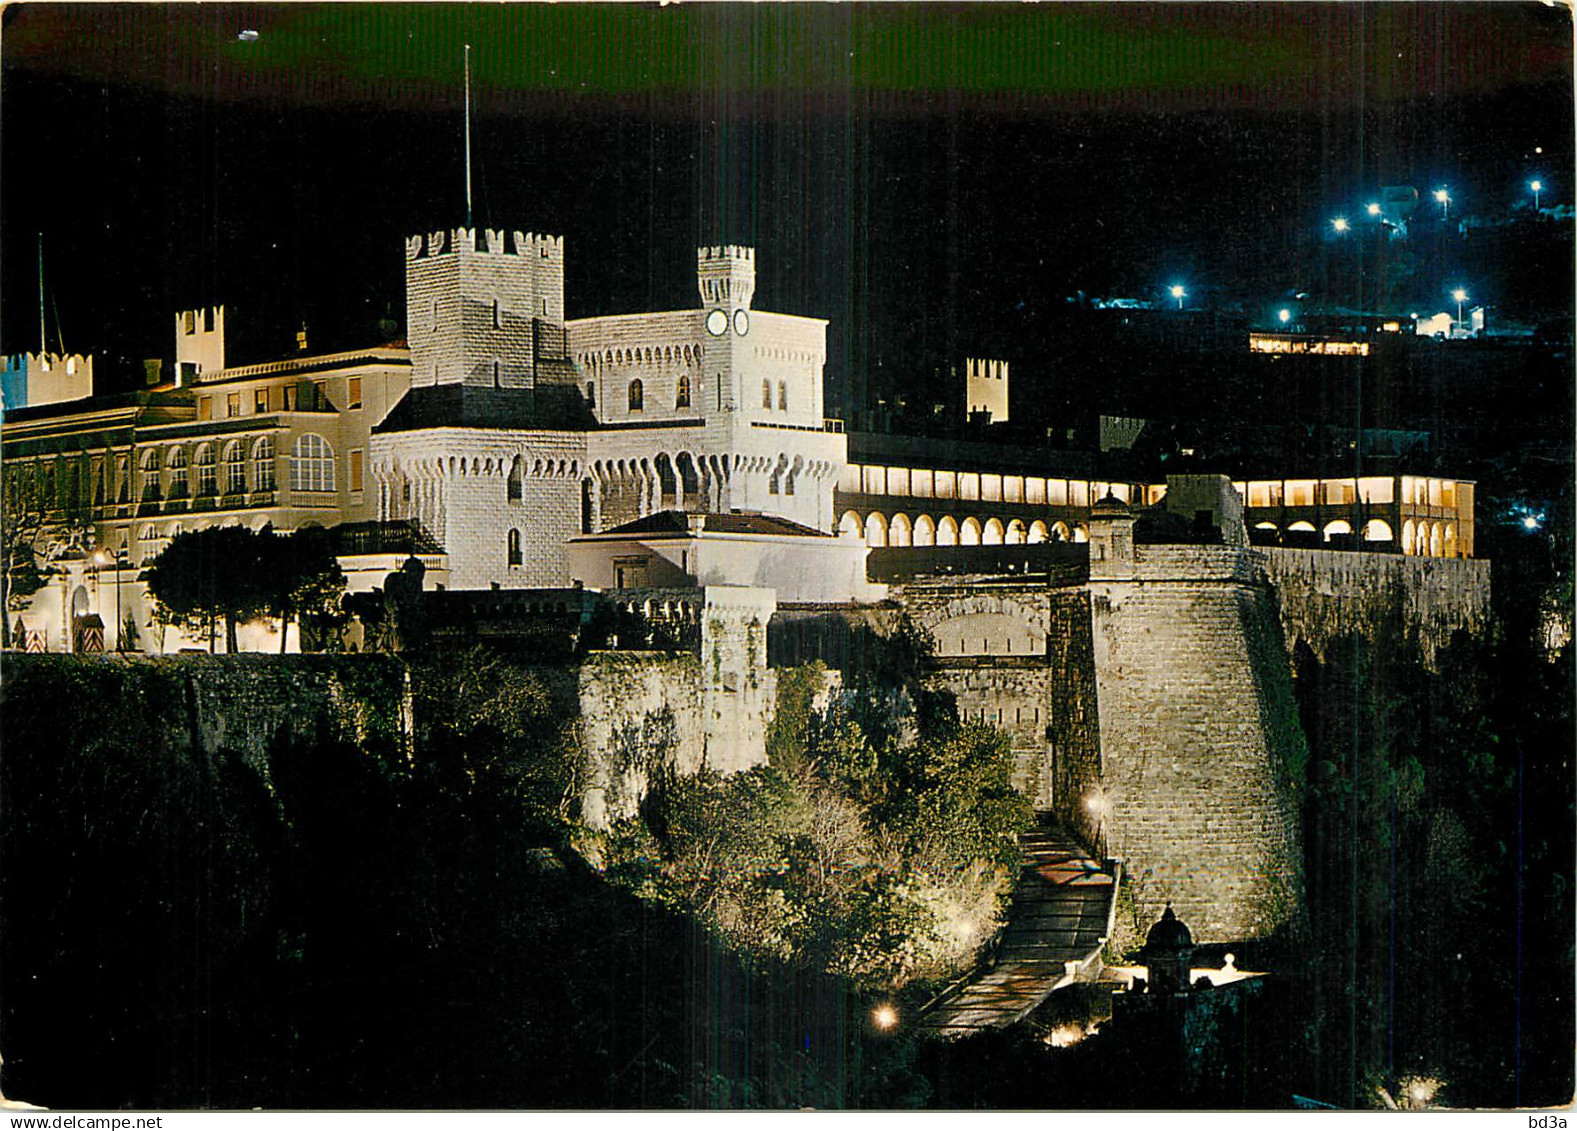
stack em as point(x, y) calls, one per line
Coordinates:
point(1531, 522)
point(1442, 196)
point(884, 1017)
point(1284, 315)
point(1459, 294)
point(1536, 186)
point(1095, 803)
point(1340, 223)
point(1176, 291)
point(1373, 209)
point(1064, 1035)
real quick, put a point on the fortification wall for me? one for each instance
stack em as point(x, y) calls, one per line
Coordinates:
point(1073, 736)
point(246, 704)
point(1328, 594)
point(1199, 742)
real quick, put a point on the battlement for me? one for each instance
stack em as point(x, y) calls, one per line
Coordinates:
point(726, 275)
point(985, 369)
point(492, 242)
point(199, 342)
point(729, 252)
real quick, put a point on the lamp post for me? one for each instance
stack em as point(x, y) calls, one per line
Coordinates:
point(1284, 316)
point(1179, 294)
point(1461, 296)
point(1340, 225)
point(1444, 198)
point(1537, 187)
point(1373, 208)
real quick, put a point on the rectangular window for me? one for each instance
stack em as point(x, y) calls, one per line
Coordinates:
point(290, 398)
point(897, 480)
point(260, 401)
point(355, 469)
point(969, 485)
point(205, 408)
point(353, 393)
point(991, 488)
point(233, 405)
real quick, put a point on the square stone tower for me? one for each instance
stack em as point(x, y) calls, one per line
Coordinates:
point(479, 313)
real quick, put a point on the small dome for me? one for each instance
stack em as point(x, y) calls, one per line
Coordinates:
point(1110, 506)
point(1170, 933)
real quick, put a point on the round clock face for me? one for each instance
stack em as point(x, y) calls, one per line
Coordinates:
point(717, 323)
point(741, 322)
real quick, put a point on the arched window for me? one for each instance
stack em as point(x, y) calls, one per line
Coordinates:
point(513, 487)
point(177, 465)
point(783, 395)
point(312, 464)
point(591, 394)
point(263, 464)
point(207, 479)
point(637, 396)
point(514, 548)
point(235, 469)
point(766, 394)
point(682, 397)
point(150, 473)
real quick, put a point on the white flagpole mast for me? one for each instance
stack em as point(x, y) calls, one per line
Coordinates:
point(467, 135)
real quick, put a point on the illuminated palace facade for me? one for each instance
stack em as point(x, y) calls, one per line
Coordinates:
point(523, 449)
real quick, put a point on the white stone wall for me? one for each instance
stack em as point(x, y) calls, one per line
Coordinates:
point(455, 482)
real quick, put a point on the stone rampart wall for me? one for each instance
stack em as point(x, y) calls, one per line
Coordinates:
point(1198, 745)
point(1328, 594)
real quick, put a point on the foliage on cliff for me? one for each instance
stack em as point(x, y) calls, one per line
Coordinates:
point(885, 863)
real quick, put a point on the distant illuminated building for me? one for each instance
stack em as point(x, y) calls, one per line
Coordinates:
point(1306, 343)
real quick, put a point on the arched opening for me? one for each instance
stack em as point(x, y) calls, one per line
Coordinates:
point(1037, 532)
point(875, 530)
point(900, 532)
point(947, 531)
point(991, 533)
point(1377, 530)
point(850, 524)
point(514, 548)
point(682, 392)
point(1014, 535)
point(1303, 527)
point(924, 531)
point(1435, 541)
point(1450, 543)
point(514, 485)
point(312, 464)
point(1060, 532)
point(637, 398)
point(1337, 526)
point(1407, 537)
point(969, 532)
point(766, 394)
point(1081, 533)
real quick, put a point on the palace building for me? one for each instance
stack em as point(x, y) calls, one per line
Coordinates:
point(528, 450)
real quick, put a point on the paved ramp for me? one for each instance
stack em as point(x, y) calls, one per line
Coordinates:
point(1061, 915)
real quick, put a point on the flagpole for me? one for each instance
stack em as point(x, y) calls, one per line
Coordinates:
point(468, 135)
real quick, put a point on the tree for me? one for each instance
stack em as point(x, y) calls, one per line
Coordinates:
point(304, 581)
point(221, 573)
point(23, 521)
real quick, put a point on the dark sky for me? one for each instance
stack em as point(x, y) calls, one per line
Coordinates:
point(934, 180)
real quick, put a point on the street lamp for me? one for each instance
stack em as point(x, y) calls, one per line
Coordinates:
point(1537, 187)
point(1373, 208)
point(1340, 224)
point(1284, 315)
point(1444, 198)
point(1461, 296)
point(1179, 294)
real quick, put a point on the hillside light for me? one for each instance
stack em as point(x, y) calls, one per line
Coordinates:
point(1340, 224)
point(884, 1017)
point(1179, 294)
point(1284, 315)
point(1373, 208)
point(1530, 522)
point(1444, 198)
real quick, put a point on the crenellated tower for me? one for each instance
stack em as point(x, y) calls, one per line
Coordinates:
point(726, 277)
point(481, 310)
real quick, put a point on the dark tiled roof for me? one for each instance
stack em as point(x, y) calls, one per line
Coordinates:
point(678, 522)
point(460, 406)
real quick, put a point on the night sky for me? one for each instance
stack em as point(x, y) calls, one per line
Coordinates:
point(934, 180)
